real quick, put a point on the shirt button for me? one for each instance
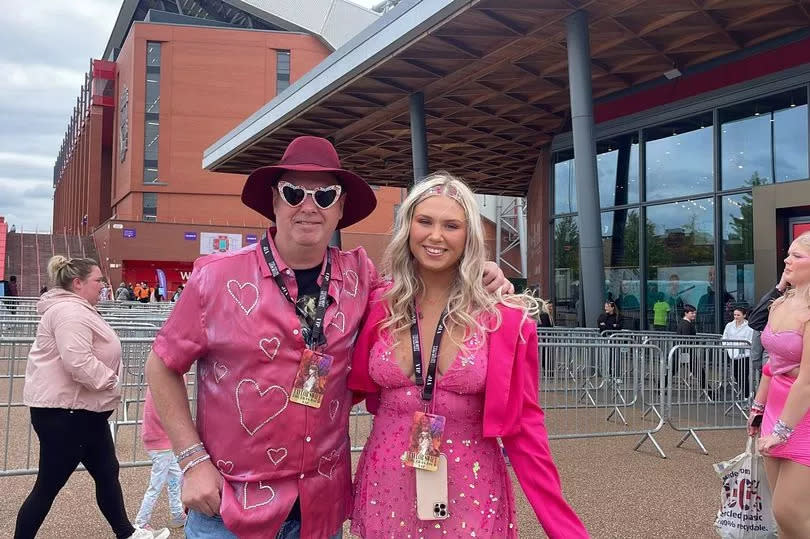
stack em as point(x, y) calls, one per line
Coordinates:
point(308, 438)
point(289, 272)
point(295, 332)
point(301, 476)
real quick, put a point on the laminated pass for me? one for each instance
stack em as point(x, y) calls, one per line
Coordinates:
point(745, 511)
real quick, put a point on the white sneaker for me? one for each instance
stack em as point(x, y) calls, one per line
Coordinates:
point(141, 533)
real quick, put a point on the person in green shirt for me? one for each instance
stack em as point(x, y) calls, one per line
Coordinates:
point(661, 310)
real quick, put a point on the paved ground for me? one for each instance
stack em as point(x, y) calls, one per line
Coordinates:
point(618, 492)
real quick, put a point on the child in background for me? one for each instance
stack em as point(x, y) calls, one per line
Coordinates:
point(165, 470)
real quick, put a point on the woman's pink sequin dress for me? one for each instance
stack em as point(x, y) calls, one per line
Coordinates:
point(481, 501)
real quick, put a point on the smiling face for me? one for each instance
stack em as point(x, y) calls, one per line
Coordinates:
point(797, 262)
point(306, 225)
point(438, 233)
point(738, 316)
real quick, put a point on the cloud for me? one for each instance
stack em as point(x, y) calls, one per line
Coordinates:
point(45, 50)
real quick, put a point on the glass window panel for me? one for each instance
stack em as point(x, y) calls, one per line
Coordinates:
point(152, 53)
point(738, 252)
point(566, 271)
point(679, 158)
point(282, 70)
point(153, 92)
point(150, 174)
point(680, 254)
point(617, 169)
point(151, 136)
point(565, 192)
point(620, 247)
point(746, 149)
point(150, 206)
point(790, 141)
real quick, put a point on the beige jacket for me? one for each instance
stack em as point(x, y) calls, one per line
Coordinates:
point(75, 361)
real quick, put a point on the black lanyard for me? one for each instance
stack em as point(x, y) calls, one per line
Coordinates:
point(416, 345)
point(317, 325)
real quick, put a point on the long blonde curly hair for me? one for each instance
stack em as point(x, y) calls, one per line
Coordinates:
point(804, 241)
point(468, 300)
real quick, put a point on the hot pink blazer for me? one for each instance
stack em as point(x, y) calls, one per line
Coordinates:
point(511, 411)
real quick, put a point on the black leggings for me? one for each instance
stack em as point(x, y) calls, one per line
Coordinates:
point(67, 438)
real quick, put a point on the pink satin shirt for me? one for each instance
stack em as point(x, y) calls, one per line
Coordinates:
point(246, 338)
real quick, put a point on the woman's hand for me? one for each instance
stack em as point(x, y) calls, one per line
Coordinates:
point(768, 442)
point(754, 421)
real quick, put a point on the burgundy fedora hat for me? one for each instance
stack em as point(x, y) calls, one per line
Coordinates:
point(310, 154)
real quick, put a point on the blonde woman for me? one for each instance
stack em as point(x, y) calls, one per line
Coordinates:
point(477, 383)
point(785, 431)
point(71, 387)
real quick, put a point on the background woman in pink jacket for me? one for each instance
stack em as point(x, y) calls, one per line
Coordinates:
point(434, 342)
point(71, 387)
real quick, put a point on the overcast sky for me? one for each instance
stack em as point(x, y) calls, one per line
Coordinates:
point(45, 50)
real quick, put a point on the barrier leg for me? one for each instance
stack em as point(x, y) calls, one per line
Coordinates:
point(618, 413)
point(693, 434)
point(649, 436)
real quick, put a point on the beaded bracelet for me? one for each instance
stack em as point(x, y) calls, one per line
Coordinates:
point(194, 462)
point(187, 452)
point(758, 407)
point(782, 431)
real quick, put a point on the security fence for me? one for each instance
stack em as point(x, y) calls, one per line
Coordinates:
point(615, 384)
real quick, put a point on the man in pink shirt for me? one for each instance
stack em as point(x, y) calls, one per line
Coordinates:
point(270, 454)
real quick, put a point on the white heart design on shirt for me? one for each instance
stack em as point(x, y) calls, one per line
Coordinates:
point(261, 486)
point(342, 324)
point(327, 464)
point(253, 410)
point(277, 455)
point(238, 293)
point(220, 371)
point(351, 281)
point(225, 466)
point(333, 409)
point(266, 345)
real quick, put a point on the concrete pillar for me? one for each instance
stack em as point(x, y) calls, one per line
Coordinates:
point(592, 274)
point(419, 147)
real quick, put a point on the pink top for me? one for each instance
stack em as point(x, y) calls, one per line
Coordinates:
point(784, 349)
point(510, 410)
point(152, 433)
point(245, 336)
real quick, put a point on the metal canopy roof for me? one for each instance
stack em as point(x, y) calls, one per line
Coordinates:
point(494, 75)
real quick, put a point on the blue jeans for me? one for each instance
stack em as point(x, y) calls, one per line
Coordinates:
point(200, 526)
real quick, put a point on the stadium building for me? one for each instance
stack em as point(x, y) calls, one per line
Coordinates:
point(662, 146)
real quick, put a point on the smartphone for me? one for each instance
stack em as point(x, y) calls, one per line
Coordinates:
point(431, 492)
point(757, 421)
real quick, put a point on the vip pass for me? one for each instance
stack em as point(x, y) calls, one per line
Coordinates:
point(782, 431)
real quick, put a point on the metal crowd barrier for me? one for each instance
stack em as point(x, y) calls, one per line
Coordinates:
point(591, 386)
point(709, 388)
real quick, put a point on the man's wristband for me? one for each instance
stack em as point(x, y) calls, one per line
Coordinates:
point(191, 450)
point(195, 462)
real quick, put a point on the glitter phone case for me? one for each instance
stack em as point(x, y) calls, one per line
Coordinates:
point(431, 492)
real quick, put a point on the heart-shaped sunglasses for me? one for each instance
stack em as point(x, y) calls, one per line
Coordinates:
point(324, 197)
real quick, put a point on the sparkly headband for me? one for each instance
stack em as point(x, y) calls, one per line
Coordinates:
point(446, 190)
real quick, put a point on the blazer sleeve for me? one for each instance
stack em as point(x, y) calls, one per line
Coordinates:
point(758, 317)
point(74, 340)
point(528, 451)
